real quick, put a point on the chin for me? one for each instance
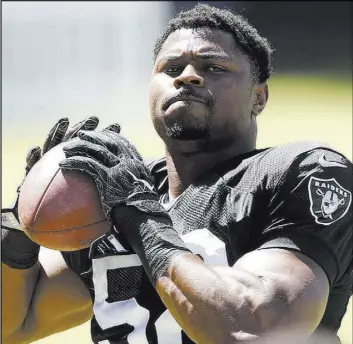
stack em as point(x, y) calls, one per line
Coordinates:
point(191, 134)
point(187, 129)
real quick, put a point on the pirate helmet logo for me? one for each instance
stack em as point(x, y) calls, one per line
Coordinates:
point(329, 201)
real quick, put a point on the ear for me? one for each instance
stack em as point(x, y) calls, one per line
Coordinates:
point(261, 94)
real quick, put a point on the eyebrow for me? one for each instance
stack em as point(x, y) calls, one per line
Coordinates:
point(215, 56)
point(201, 56)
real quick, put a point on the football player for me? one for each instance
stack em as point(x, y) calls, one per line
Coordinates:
point(218, 242)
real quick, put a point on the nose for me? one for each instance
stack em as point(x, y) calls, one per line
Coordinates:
point(189, 76)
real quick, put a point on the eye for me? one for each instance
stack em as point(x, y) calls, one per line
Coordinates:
point(215, 69)
point(172, 70)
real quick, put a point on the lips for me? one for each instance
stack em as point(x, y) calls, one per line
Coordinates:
point(185, 95)
point(188, 99)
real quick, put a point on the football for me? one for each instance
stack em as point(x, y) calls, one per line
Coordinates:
point(58, 209)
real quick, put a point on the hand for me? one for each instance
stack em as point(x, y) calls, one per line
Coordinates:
point(18, 251)
point(59, 133)
point(116, 168)
point(110, 139)
point(128, 197)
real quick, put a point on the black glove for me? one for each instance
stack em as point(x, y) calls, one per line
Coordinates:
point(128, 197)
point(18, 251)
point(117, 169)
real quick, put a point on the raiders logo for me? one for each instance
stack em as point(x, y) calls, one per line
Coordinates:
point(329, 201)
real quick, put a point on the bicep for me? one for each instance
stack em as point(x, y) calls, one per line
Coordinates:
point(295, 287)
point(60, 300)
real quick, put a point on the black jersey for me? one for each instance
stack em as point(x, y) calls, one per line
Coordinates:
point(296, 196)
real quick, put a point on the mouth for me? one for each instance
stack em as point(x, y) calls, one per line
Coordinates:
point(173, 100)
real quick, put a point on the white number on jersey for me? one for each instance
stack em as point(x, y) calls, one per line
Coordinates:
point(108, 315)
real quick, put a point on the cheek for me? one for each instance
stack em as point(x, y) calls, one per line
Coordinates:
point(156, 94)
point(152, 96)
point(233, 105)
point(233, 96)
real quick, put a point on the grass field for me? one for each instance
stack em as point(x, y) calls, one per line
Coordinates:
point(301, 107)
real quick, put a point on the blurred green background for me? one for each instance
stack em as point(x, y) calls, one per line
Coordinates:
point(78, 59)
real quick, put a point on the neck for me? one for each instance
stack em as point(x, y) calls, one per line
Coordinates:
point(185, 169)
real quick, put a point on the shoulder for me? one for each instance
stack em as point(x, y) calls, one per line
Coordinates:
point(269, 165)
point(279, 171)
point(283, 156)
point(299, 159)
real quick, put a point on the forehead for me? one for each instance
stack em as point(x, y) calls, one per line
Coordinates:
point(193, 41)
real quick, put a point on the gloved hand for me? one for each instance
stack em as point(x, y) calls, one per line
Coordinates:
point(116, 168)
point(127, 195)
point(18, 251)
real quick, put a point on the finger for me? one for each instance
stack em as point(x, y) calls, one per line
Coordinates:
point(128, 148)
point(132, 152)
point(90, 123)
point(32, 157)
point(131, 148)
point(117, 144)
point(105, 139)
point(86, 165)
point(90, 150)
point(56, 134)
point(115, 128)
point(138, 169)
point(125, 145)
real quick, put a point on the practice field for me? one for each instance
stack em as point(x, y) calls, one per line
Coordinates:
point(300, 107)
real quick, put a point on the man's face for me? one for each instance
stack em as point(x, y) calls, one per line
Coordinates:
point(201, 93)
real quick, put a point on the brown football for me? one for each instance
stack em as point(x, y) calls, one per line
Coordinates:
point(58, 209)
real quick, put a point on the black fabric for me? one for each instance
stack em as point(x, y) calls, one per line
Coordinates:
point(297, 210)
point(17, 250)
point(255, 201)
point(152, 238)
point(123, 283)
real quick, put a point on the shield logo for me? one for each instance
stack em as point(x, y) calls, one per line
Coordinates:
point(329, 201)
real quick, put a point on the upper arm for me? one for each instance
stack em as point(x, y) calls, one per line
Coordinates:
point(295, 289)
point(60, 300)
point(305, 246)
point(310, 210)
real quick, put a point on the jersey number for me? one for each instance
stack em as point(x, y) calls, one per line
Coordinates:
point(108, 315)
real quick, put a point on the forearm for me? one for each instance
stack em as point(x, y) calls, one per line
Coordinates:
point(18, 286)
point(270, 297)
point(214, 304)
point(198, 296)
point(266, 297)
point(20, 271)
point(59, 301)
